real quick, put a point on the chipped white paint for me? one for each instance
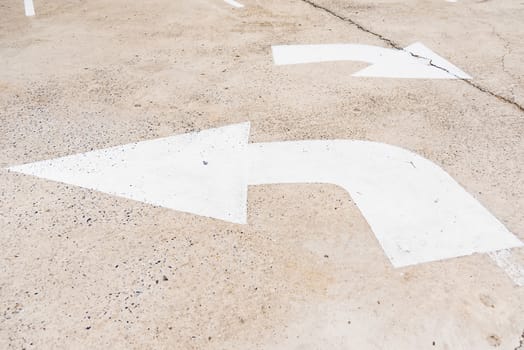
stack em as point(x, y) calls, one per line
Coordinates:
point(411, 62)
point(234, 3)
point(505, 261)
point(29, 8)
point(416, 210)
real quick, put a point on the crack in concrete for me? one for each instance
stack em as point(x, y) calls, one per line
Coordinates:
point(508, 51)
point(395, 45)
point(390, 42)
point(521, 342)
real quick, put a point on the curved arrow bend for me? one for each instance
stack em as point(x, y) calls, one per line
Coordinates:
point(416, 210)
point(414, 61)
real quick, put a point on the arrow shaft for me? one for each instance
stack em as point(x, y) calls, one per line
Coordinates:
point(296, 54)
point(416, 210)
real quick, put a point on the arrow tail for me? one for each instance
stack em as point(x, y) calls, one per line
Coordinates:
point(416, 210)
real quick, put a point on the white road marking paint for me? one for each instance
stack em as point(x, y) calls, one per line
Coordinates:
point(387, 63)
point(29, 8)
point(234, 3)
point(504, 260)
point(202, 173)
point(416, 210)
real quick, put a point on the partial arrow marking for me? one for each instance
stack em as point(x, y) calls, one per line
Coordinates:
point(29, 8)
point(416, 210)
point(415, 61)
point(234, 3)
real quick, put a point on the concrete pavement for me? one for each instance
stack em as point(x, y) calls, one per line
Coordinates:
point(85, 269)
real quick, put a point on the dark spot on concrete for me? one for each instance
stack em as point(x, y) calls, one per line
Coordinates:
point(494, 340)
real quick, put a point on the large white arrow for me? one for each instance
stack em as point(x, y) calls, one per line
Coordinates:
point(416, 210)
point(414, 61)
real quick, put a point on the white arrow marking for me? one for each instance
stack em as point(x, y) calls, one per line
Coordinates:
point(202, 173)
point(234, 3)
point(388, 63)
point(29, 8)
point(416, 210)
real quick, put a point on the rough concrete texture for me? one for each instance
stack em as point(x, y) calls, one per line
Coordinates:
point(81, 269)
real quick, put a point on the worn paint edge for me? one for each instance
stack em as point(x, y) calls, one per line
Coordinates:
point(503, 259)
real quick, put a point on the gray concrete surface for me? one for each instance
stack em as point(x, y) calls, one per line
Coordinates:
point(82, 269)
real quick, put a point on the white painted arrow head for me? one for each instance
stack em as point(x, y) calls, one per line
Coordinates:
point(417, 62)
point(203, 173)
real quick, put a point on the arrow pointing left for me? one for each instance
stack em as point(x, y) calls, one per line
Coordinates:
point(416, 210)
point(203, 173)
